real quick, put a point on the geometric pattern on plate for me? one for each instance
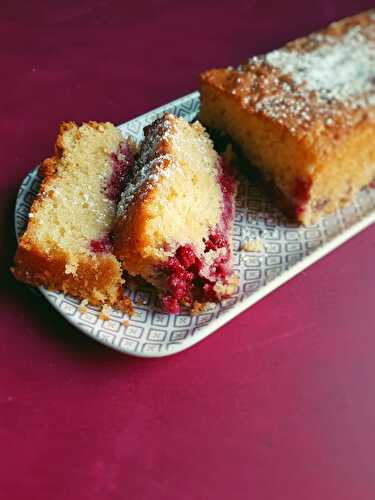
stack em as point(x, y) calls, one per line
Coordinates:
point(285, 251)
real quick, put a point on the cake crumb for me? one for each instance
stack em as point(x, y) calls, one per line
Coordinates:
point(140, 301)
point(82, 306)
point(251, 246)
point(104, 313)
point(125, 305)
point(228, 288)
point(125, 322)
point(199, 307)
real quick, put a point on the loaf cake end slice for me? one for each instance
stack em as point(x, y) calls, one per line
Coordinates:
point(67, 244)
point(304, 115)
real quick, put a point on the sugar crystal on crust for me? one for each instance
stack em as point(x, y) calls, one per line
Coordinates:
point(150, 163)
point(324, 79)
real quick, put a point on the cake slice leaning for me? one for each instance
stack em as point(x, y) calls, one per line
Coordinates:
point(67, 244)
point(175, 216)
point(304, 115)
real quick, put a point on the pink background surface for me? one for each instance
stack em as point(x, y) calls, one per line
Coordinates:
point(280, 403)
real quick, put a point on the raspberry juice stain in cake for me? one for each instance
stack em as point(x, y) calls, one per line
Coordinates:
point(188, 277)
point(121, 161)
point(175, 216)
point(102, 244)
point(191, 278)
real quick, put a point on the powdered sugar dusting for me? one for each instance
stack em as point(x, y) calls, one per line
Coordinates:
point(150, 164)
point(324, 80)
point(341, 70)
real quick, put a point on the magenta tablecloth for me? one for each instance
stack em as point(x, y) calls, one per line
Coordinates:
point(280, 403)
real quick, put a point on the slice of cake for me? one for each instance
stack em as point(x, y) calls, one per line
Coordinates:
point(304, 115)
point(175, 216)
point(67, 243)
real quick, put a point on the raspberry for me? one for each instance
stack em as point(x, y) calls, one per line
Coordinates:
point(102, 244)
point(173, 265)
point(186, 256)
point(216, 240)
point(197, 266)
point(170, 304)
point(221, 270)
point(121, 164)
point(178, 284)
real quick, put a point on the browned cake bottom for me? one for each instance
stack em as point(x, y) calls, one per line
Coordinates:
point(97, 279)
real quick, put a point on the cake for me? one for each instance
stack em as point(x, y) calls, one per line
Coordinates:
point(175, 215)
point(303, 115)
point(67, 244)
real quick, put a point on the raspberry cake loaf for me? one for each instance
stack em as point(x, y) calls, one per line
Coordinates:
point(67, 242)
point(175, 216)
point(304, 115)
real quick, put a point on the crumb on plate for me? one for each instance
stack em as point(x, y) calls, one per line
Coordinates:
point(251, 246)
point(82, 306)
point(104, 313)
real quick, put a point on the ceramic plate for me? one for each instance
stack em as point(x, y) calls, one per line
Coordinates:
point(282, 251)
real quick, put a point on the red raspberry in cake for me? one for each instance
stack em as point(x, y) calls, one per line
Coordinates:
point(186, 256)
point(103, 244)
point(175, 216)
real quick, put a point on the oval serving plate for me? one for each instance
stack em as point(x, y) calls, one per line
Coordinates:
point(283, 250)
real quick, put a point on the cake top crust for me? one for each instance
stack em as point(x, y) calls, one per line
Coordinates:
point(322, 83)
point(153, 160)
point(156, 158)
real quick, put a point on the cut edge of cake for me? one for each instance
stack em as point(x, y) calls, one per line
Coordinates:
point(66, 245)
point(175, 216)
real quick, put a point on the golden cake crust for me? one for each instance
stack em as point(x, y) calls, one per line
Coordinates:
point(91, 280)
point(304, 114)
point(97, 278)
point(131, 239)
point(266, 90)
